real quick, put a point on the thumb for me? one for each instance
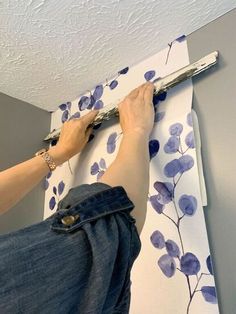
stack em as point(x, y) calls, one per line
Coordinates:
point(89, 117)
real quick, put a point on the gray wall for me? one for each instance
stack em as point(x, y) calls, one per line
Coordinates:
point(22, 127)
point(215, 103)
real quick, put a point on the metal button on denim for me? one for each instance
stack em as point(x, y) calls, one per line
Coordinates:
point(69, 220)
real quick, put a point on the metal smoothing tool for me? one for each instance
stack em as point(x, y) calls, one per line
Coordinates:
point(160, 85)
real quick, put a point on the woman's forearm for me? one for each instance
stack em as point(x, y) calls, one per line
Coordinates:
point(130, 169)
point(17, 181)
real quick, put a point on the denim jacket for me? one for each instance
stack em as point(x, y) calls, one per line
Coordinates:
point(76, 261)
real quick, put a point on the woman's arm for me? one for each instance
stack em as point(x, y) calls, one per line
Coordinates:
point(17, 181)
point(130, 169)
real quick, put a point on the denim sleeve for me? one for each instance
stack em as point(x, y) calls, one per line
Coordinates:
point(78, 260)
point(101, 216)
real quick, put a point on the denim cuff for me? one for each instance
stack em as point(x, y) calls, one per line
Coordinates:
point(88, 202)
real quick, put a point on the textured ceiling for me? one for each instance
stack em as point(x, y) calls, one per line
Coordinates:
point(51, 51)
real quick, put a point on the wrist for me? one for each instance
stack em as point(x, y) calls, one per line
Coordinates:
point(59, 156)
point(138, 133)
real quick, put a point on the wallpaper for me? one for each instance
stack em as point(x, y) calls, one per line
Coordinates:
point(173, 273)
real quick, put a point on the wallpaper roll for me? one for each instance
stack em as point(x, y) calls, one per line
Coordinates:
point(173, 273)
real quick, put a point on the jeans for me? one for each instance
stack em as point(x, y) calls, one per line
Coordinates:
point(78, 260)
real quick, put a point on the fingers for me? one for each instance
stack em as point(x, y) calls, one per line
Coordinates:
point(89, 117)
point(138, 92)
point(148, 93)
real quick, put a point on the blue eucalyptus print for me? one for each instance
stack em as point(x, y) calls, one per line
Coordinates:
point(124, 71)
point(154, 146)
point(158, 239)
point(159, 116)
point(98, 105)
point(97, 94)
point(111, 142)
point(57, 191)
point(65, 108)
point(157, 98)
point(175, 258)
point(167, 265)
point(149, 75)
point(84, 102)
point(52, 203)
point(209, 294)
point(113, 84)
point(190, 119)
point(46, 182)
point(96, 168)
point(189, 140)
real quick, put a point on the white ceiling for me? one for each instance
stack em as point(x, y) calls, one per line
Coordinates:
point(52, 51)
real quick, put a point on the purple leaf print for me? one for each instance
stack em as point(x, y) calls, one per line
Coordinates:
point(65, 116)
point(189, 140)
point(209, 294)
point(54, 190)
point(100, 174)
point(162, 96)
point(172, 248)
point(189, 264)
point(52, 203)
point(63, 107)
point(209, 264)
point(61, 187)
point(83, 102)
point(154, 146)
point(76, 115)
point(159, 116)
point(113, 84)
point(124, 71)
point(94, 168)
point(186, 163)
point(158, 239)
point(149, 75)
point(172, 145)
point(167, 265)
point(98, 105)
point(102, 163)
point(172, 168)
point(188, 204)
point(91, 102)
point(49, 175)
point(155, 204)
point(111, 143)
point(165, 189)
point(181, 38)
point(189, 119)
point(68, 105)
point(176, 129)
point(155, 100)
point(97, 94)
point(46, 184)
point(163, 199)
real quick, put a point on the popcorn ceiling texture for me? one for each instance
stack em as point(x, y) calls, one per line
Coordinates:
point(53, 51)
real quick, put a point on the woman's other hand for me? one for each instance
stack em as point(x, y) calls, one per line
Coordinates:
point(74, 136)
point(136, 111)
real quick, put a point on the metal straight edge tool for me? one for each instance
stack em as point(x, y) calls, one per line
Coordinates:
point(160, 85)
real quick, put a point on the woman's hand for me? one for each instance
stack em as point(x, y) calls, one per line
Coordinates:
point(136, 111)
point(73, 137)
